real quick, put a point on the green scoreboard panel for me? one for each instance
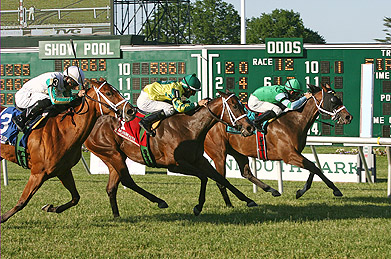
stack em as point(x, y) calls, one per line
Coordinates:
point(238, 68)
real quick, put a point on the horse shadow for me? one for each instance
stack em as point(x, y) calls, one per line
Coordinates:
point(275, 213)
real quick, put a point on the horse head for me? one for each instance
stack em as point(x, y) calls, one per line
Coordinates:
point(233, 114)
point(329, 103)
point(110, 100)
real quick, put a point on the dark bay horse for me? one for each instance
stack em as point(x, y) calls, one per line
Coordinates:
point(178, 146)
point(285, 138)
point(56, 147)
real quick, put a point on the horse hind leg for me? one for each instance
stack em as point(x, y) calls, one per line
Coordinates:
point(34, 183)
point(69, 183)
point(127, 181)
point(210, 172)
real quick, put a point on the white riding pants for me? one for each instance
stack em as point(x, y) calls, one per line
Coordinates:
point(260, 106)
point(147, 105)
point(25, 99)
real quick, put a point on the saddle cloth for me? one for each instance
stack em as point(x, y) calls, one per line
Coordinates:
point(131, 131)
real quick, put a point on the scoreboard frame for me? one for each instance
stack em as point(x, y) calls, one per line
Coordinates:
point(238, 68)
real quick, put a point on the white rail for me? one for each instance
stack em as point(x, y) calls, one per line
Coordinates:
point(347, 141)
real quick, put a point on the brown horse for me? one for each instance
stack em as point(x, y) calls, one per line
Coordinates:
point(56, 147)
point(285, 138)
point(178, 146)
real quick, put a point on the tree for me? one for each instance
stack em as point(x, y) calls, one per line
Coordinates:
point(169, 23)
point(387, 30)
point(212, 22)
point(215, 22)
point(280, 24)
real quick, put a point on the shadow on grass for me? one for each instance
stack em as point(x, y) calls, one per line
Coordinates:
point(268, 213)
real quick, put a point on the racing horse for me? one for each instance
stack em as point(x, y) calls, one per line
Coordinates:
point(285, 140)
point(55, 147)
point(178, 145)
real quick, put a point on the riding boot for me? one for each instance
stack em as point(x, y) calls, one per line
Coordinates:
point(30, 113)
point(147, 121)
point(20, 120)
point(261, 121)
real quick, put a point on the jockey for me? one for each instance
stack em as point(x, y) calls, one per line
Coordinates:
point(274, 99)
point(45, 90)
point(163, 98)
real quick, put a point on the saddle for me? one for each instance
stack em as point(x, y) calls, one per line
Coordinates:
point(260, 136)
point(132, 131)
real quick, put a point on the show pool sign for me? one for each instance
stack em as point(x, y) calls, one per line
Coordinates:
point(83, 48)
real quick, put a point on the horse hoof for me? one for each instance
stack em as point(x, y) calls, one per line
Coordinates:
point(196, 211)
point(47, 208)
point(252, 204)
point(337, 193)
point(276, 193)
point(163, 205)
point(299, 194)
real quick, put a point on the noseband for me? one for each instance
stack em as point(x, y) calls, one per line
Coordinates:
point(333, 113)
point(110, 105)
point(231, 115)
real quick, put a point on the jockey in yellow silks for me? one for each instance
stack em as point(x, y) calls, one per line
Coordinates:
point(164, 98)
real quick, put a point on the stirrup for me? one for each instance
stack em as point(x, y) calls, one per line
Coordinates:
point(19, 124)
point(148, 130)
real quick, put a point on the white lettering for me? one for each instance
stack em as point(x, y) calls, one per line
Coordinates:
point(296, 47)
point(267, 81)
point(271, 47)
point(386, 97)
point(262, 61)
point(279, 47)
point(382, 75)
point(378, 120)
point(288, 47)
point(386, 52)
point(48, 50)
point(87, 47)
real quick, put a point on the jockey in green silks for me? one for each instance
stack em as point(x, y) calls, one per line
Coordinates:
point(164, 98)
point(272, 100)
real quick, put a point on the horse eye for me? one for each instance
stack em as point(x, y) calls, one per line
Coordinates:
point(108, 93)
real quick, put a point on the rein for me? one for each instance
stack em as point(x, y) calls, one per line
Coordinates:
point(231, 115)
point(333, 114)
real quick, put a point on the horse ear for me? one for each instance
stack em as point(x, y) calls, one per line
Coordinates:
point(220, 93)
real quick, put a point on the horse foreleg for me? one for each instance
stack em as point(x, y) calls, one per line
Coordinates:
point(246, 173)
point(111, 189)
point(186, 168)
point(220, 167)
point(306, 187)
point(34, 183)
point(69, 183)
point(303, 162)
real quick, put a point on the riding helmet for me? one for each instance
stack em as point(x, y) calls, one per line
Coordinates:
point(192, 82)
point(75, 73)
point(293, 85)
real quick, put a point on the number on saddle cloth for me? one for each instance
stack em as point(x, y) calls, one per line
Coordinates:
point(10, 135)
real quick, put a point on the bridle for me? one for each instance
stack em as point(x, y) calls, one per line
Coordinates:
point(231, 115)
point(110, 105)
point(333, 113)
